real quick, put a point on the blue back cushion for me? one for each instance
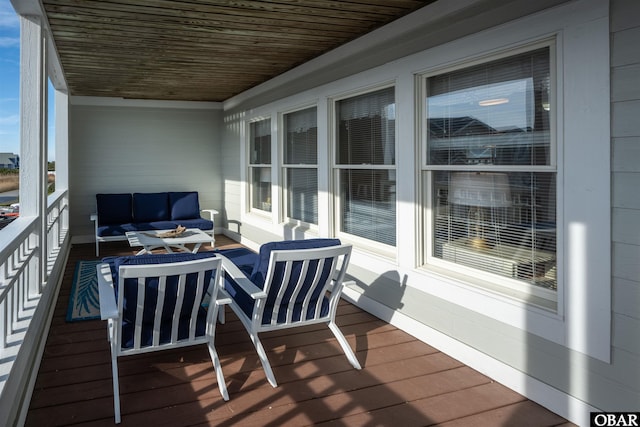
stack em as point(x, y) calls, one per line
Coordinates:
point(114, 208)
point(255, 267)
point(184, 205)
point(131, 297)
point(260, 270)
point(262, 262)
point(148, 207)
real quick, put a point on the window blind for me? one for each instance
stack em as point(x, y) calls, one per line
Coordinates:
point(486, 216)
point(260, 142)
point(302, 195)
point(259, 158)
point(495, 113)
point(300, 163)
point(366, 139)
point(366, 133)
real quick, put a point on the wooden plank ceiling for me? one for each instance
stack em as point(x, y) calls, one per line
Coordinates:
point(201, 50)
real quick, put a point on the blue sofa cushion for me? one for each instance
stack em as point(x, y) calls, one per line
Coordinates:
point(121, 229)
point(149, 207)
point(258, 274)
point(184, 205)
point(114, 208)
point(131, 296)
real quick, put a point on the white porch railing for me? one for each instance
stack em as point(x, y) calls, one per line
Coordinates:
point(29, 284)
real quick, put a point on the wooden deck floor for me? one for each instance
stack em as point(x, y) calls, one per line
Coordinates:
point(404, 382)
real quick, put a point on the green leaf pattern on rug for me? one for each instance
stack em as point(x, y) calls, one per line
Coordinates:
point(86, 296)
point(84, 303)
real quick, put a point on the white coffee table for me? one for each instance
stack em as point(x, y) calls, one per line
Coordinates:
point(149, 240)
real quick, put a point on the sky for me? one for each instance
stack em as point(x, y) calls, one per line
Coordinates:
point(9, 79)
point(10, 84)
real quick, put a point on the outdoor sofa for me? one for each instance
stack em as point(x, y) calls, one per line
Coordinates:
point(118, 213)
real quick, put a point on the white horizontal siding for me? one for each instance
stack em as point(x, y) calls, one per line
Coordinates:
point(624, 119)
point(626, 152)
point(623, 377)
point(122, 148)
point(625, 190)
point(625, 82)
point(625, 49)
point(231, 169)
point(626, 298)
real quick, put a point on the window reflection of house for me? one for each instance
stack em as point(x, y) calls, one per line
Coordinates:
point(480, 120)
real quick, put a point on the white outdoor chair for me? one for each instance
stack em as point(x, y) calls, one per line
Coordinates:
point(163, 302)
point(293, 283)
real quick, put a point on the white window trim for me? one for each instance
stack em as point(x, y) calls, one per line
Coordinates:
point(249, 209)
point(583, 178)
point(516, 289)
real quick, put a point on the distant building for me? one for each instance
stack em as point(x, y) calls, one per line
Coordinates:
point(9, 161)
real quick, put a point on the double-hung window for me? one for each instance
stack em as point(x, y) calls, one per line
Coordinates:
point(365, 166)
point(260, 164)
point(489, 173)
point(300, 163)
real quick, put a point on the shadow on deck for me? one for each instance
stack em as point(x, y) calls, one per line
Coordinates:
point(404, 382)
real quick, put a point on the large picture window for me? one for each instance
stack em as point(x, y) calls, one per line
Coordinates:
point(489, 170)
point(365, 166)
point(300, 158)
point(260, 164)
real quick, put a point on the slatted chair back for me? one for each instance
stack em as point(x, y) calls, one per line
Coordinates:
point(292, 284)
point(302, 286)
point(160, 306)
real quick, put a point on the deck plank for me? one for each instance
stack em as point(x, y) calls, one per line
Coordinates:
point(403, 381)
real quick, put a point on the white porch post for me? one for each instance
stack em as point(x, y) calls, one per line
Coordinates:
point(33, 132)
point(62, 146)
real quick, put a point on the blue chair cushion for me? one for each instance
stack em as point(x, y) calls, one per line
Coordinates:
point(149, 207)
point(262, 262)
point(184, 205)
point(113, 208)
point(244, 259)
point(131, 295)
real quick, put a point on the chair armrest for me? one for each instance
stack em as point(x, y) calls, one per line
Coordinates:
point(108, 306)
point(93, 217)
point(344, 284)
point(211, 213)
point(241, 280)
point(223, 297)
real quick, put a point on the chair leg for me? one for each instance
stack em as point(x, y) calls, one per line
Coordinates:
point(110, 330)
point(218, 368)
point(263, 358)
point(345, 345)
point(116, 388)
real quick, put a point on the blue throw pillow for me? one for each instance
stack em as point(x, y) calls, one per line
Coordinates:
point(114, 208)
point(148, 207)
point(184, 205)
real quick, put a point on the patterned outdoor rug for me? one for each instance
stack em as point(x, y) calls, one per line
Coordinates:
point(84, 303)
